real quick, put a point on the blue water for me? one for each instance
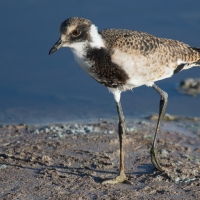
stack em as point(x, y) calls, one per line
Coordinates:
point(38, 88)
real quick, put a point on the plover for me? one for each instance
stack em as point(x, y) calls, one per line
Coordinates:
point(122, 60)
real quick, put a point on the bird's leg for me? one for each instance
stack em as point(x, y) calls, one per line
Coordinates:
point(121, 132)
point(163, 105)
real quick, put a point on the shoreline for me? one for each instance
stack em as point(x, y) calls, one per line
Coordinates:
point(70, 160)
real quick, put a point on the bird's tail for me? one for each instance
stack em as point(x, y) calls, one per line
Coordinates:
point(198, 50)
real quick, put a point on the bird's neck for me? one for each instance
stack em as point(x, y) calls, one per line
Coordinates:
point(79, 49)
point(95, 41)
point(96, 38)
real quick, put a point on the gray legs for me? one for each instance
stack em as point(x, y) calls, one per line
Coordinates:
point(121, 132)
point(163, 105)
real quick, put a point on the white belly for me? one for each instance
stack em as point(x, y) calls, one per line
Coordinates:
point(141, 70)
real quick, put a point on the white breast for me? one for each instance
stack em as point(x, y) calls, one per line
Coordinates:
point(79, 50)
point(141, 70)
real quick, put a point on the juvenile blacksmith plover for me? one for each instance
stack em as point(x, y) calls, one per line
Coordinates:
point(122, 60)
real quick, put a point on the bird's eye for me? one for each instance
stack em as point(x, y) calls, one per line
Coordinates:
point(76, 33)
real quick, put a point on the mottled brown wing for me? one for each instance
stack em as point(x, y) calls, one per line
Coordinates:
point(127, 40)
point(146, 44)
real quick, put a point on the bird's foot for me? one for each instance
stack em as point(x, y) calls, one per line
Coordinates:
point(119, 179)
point(155, 160)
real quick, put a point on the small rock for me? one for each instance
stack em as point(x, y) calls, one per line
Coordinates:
point(46, 130)
point(110, 132)
point(36, 131)
point(130, 129)
point(177, 179)
point(164, 152)
point(190, 86)
point(46, 159)
point(3, 166)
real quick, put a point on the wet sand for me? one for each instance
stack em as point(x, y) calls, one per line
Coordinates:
point(69, 161)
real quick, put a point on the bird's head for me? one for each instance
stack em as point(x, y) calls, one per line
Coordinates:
point(75, 31)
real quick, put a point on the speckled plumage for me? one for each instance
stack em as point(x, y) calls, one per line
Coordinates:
point(125, 59)
point(73, 24)
point(152, 58)
point(130, 41)
point(109, 73)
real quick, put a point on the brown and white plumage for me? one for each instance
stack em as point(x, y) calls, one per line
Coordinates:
point(125, 59)
point(136, 58)
point(146, 58)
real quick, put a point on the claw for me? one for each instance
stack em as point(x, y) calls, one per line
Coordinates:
point(155, 160)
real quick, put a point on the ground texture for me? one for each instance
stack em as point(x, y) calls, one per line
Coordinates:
point(70, 161)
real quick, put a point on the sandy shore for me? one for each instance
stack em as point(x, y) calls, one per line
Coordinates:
point(69, 161)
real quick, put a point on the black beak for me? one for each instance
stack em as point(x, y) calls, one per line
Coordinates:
point(57, 46)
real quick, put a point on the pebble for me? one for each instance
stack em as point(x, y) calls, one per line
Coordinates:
point(190, 86)
point(3, 166)
point(164, 152)
point(131, 129)
point(46, 130)
point(62, 131)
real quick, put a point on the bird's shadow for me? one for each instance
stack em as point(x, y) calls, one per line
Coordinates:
point(147, 169)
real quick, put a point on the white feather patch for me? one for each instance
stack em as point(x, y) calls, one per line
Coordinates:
point(141, 70)
point(116, 93)
point(79, 52)
point(78, 48)
point(187, 65)
point(179, 61)
point(97, 40)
